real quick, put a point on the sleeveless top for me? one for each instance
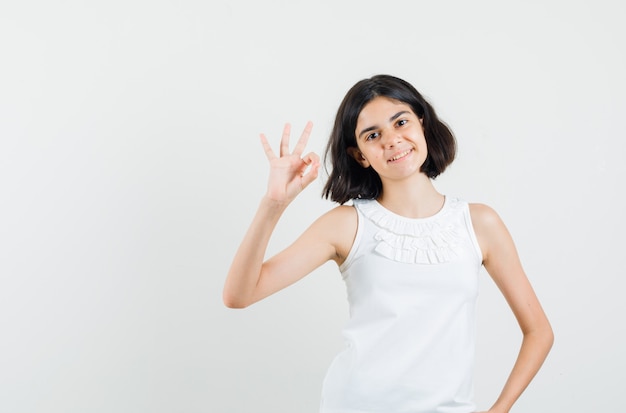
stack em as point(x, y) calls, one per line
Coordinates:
point(412, 286)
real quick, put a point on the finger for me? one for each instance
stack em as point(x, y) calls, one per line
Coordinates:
point(267, 148)
point(311, 175)
point(284, 141)
point(308, 163)
point(311, 158)
point(304, 138)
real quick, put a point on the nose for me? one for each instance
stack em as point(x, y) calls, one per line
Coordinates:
point(390, 138)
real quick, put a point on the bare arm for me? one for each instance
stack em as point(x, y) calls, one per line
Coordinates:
point(503, 265)
point(250, 279)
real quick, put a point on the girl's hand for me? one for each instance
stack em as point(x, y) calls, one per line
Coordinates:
point(288, 172)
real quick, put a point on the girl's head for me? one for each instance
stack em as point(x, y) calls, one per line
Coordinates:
point(348, 179)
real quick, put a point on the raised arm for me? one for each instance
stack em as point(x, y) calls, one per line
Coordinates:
point(503, 265)
point(249, 278)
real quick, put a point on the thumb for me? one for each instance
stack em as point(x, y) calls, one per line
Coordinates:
point(313, 163)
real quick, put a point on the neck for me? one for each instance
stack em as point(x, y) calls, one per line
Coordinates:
point(413, 198)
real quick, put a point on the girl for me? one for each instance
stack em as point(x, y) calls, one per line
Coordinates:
point(409, 255)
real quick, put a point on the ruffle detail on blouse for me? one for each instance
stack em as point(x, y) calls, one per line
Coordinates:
point(432, 240)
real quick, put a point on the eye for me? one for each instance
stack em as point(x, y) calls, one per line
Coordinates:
point(402, 122)
point(372, 136)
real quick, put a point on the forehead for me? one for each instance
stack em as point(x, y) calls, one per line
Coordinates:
point(379, 109)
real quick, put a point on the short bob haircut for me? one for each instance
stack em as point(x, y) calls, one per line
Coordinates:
point(348, 179)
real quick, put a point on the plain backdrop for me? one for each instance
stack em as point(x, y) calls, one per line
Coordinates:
point(130, 167)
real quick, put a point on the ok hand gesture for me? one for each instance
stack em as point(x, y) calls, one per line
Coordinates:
point(290, 172)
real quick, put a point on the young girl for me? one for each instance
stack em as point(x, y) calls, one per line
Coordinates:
point(409, 255)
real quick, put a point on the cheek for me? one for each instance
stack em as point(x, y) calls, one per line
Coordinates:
point(421, 142)
point(423, 148)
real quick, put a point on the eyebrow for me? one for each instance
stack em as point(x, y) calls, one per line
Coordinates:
point(391, 119)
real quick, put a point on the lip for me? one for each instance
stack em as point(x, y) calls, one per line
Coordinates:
point(398, 156)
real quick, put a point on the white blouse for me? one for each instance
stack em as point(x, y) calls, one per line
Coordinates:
point(412, 286)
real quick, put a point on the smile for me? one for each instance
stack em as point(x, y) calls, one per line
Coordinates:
point(400, 155)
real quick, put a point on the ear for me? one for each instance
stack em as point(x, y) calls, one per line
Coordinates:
point(358, 156)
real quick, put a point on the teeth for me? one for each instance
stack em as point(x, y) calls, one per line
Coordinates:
point(405, 153)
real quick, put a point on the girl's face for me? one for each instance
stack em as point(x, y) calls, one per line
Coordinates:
point(390, 139)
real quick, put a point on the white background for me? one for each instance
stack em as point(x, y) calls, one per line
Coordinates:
point(130, 168)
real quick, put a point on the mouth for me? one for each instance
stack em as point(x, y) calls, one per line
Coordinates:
point(400, 155)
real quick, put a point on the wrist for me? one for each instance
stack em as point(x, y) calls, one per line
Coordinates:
point(497, 409)
point(272, 204)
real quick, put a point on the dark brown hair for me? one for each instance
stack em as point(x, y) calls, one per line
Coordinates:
point(349, 180)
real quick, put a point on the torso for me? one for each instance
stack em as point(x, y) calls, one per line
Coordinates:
point(405, 291)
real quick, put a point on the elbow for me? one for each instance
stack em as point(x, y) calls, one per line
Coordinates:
point(548, 340)
point(548, 334)
point(549, 337)
point(234, 302)
point(543, 335)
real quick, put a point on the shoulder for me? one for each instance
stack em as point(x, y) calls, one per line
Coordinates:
point(491, 231)
point(483, 215)
point(340, 226)
point(339, 219)
point(338, 215)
